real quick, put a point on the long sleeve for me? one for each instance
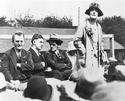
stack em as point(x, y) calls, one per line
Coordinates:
point(38, 66)
point(67, 61)
point(54, 63)
point(37, 60)
point(5, 67)
point(27, 62)
point(81, 33)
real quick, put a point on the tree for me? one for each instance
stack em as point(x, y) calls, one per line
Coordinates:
point(55, 22)
point(114, 25)
point(50, 21)
point(66, 23)
point(26, 21)
point(3, 21)
point(29, 21)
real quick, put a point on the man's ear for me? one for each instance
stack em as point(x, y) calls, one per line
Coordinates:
point(34, 42)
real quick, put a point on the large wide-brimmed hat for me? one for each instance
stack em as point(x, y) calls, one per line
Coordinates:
point(37, 88)
point(55, 38)
point(96, 7)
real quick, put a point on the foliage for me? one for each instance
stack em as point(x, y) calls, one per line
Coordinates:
point(49, 21)
point(29, 21)
point(3, 21)
point(55, 22)
point(26, 21)
point(114, 25)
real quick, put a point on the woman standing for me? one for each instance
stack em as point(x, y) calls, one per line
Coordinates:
point(90, 33)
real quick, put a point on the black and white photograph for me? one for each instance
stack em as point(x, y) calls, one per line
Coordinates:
point(62, 50)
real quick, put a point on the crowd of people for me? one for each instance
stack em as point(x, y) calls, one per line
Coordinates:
point(75, 74)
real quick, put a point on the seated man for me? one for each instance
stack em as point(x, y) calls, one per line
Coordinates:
point(9, 93)
point(57, 59)
point(38, 58)
point(17, 63)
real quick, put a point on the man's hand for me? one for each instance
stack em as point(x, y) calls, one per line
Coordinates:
point(48, 69)
point(15, 84)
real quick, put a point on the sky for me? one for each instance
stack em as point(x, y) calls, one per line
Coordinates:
point(60, 8)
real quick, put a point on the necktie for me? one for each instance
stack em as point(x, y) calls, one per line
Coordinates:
point(18, 58)
point(58, 54)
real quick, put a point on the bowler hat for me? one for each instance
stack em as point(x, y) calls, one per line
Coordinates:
point(37, 88)
point(92, 7)
point(55, 38)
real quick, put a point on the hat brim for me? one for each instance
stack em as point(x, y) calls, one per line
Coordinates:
point(100, 13)
point(57, 41)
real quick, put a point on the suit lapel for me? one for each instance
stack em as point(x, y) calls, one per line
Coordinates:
point(13, 57)
point(23, 54)
point(34, 55)
point(53, 55)
point(59, 54)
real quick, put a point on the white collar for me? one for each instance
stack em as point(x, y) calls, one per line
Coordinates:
point(35, 50)
point(57, 51)
point(18, 53)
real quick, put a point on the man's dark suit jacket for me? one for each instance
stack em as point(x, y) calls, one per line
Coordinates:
point(38, 66)
point(63, 65)
point(9, 68)
point(39, 69)
point(57, 63)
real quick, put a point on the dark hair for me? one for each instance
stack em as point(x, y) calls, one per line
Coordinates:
point(36, 36)
point(19, 33)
